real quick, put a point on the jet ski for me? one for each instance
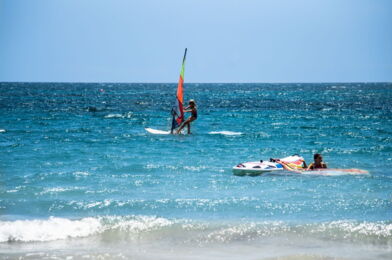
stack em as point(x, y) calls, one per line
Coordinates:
point(271, 165)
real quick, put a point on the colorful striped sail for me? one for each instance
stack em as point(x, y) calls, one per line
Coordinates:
point(178, 109)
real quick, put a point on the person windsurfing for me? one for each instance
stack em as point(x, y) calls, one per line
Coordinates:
point(193, 110)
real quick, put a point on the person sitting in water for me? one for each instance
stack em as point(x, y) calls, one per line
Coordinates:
point(193, 110)
point(317, 164)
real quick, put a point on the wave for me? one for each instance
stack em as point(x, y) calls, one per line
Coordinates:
point(199, 168)
point(114, 116)
point(2, 131)
point(56, 228)
point(47, 230)
point(127, 115)
point(152, 227)
point(224, 133)
point(73, 175)
point(56, 190)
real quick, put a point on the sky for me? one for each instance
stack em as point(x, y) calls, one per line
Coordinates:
point(228, 40)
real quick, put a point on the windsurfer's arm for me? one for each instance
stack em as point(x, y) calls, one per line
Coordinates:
point(304, 165)
point(286, 167)
point(190, 110)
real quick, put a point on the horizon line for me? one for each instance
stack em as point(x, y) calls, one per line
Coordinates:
point(121, 82)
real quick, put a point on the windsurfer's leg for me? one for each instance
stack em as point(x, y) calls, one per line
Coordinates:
point(191, 119)
point(179, 129)
point(186, 123)
point(182, 126)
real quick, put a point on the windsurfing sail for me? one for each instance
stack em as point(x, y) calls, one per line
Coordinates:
point(178, 109)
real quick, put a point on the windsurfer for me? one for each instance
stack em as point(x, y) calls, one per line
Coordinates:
point(193, 110)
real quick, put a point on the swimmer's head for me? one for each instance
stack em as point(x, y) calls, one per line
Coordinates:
point(317, 156)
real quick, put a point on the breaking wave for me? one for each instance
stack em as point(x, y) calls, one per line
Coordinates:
point(152, 227)
point(224, 133)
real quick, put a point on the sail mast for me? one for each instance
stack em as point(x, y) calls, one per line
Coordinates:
point(178, 109)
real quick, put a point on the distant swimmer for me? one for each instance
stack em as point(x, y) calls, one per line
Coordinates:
point(193, 110)
point(317, 164)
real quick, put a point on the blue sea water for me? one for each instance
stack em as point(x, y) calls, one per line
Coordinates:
point(81, 178)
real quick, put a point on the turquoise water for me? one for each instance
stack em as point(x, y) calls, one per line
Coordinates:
point(79, 171)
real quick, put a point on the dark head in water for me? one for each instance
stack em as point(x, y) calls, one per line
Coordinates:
point(317, 157)
point(318, 162)
point(92, 109)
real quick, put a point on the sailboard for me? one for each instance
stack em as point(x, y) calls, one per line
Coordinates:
point(177, 110)
point(157, 132)
point(337, 172)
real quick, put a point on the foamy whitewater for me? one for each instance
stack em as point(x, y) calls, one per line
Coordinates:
point(82, 179)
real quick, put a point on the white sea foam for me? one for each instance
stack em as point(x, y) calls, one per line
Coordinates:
point(174, 167)
point(195, 168)
point(350, 228)
point(224, 133)
point(98, 204)
point(79, 175)
point(44, 175)
point(114, 116)
point(58, 190)
point(138, 224)
point(186, 230)
point(127, 115)
point(47, 230)
point(61, 228)
point(2, 131)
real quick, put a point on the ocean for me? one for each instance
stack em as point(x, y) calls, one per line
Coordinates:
point(82, 179)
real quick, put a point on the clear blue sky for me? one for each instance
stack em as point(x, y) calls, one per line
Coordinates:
point(227, 40)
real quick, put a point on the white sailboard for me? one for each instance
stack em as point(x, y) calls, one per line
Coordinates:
point(157, 132)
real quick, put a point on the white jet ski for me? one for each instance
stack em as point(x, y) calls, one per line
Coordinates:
point(260, 167)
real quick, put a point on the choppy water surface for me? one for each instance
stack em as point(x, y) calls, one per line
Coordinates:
point(80, 177)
